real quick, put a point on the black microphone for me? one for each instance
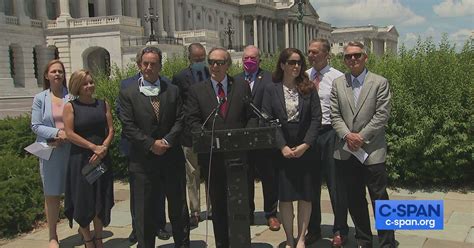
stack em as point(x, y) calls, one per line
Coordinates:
point(260, 113)
point(215, 111)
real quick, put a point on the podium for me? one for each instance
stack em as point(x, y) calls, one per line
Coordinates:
point(234, 142)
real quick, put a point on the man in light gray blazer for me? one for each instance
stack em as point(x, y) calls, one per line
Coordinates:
point(360, 105)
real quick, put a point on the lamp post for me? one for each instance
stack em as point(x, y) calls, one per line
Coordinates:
point(229, 32)
point(300, 17)
point(151, 17)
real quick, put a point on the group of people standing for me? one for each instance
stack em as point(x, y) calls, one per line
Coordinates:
point(324, 115)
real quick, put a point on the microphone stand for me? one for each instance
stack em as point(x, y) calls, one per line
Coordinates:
point(214, 112)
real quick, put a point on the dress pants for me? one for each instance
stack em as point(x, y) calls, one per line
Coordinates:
point(160, 203)
point(170, 180)
point(325, 169)
point(260, 165)
point(354, 178)
point(193, 180)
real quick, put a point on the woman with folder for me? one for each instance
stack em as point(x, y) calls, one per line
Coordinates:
point(47, 124)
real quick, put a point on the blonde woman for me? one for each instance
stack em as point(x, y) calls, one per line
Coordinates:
point(88, 124)
point(47, 124)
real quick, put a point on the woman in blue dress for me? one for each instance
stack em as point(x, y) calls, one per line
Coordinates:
point(47, 124)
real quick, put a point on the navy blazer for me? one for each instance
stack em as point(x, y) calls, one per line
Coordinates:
point(309, 113)
point(261, 80)
point(124, 145)
point(184, 80)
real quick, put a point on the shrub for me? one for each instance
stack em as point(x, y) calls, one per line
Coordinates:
point(21, 193)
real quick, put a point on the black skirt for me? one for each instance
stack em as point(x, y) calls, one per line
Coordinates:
point(295, 174)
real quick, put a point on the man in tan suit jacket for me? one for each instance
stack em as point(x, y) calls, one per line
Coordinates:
point(360, 105)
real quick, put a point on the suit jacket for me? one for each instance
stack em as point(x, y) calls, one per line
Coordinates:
point(261, 80)
point(309, 109)
point(124, 145)
point(203, 100)
point(141, 128)
point(184, 80)
point(43, 125)
point(368, 118)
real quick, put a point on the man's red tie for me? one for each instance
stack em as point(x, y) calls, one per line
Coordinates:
point(221, 95)
point(317, 80)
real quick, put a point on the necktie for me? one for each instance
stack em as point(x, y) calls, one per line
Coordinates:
point(221, 95)
point(248, 79)
point(356, 90)
point(200, 78)
point(155, 102)
point(316, 79)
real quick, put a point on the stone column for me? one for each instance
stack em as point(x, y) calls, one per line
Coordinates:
point(243, 31)
point(83, 8)
point(160, 12)
point(260, 33)
point(133, 8)
point(116, 7)
point(265, 35)
point(171, 16)
point(20, 12)
point(270, 36)
point(43, 55)
point(255, 31)
point(100, 9)
point(179, 15)
point(287, 34)
point(295, 35)
point(40, 6)
point(275, 36)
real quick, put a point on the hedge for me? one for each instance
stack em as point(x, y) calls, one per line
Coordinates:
point(430, 132)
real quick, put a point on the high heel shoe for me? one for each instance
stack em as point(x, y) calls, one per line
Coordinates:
point(96, 239)
point(92, 240)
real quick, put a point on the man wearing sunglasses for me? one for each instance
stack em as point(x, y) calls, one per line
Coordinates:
point(228, 95)
point(360, 108)
point(197, 71)
point(323, 75)
point(259, 162)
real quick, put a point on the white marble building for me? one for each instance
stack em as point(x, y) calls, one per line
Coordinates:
point(378, 40)
point(95, 34)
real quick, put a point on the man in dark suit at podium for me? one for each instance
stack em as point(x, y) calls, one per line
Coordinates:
point(233, 112)
point(259, 163)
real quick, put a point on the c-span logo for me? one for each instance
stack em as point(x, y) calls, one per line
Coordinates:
point(409, 214)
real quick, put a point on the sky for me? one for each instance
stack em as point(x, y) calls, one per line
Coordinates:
point(412, 18)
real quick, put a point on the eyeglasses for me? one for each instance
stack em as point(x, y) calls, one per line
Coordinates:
point(355, 55)
point(293, 62)
point(216, 62)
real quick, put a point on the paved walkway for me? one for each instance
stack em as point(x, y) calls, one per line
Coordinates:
point(458, 225)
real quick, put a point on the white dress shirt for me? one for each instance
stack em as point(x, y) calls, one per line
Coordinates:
point(327, 76)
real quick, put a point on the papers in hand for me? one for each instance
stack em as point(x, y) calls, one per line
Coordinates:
point(360, 154)
point(40, 150)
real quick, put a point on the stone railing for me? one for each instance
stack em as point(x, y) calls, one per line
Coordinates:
point(141, 41)
point(36, 23)
point(197, 33)
point(99, 21)
point(12, 20)
point(52, 24)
